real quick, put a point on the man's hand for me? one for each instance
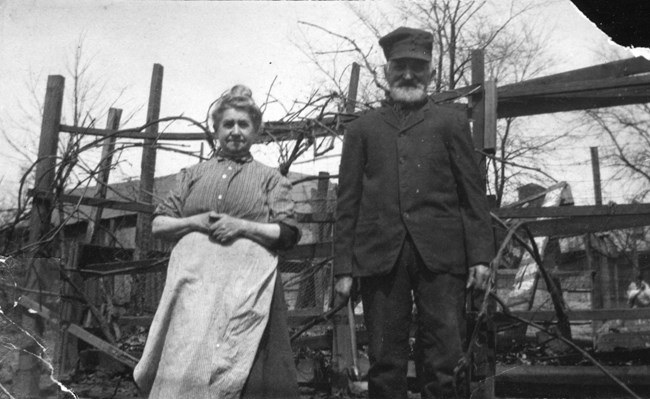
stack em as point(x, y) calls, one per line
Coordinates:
point(478, 277)
point(342, 289)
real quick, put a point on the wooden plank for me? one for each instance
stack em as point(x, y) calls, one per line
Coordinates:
point(564, 102)
point(573, 87)
point(309, 251)
point(104, 168)
point(351, 100)
point(308, 294)
point(580, 376)
point(581, 315)
point(316, 217)
point(344, 350)
point(132, 134)
point(92, 253)
point(614, 69)
point(28, 374)
point(484, 354)
point(125, 267)
point(105, 258)
point(133, 206)
point(157, 265)
point(295, 318)
point(454, 94)
point(79, 332)
point(91, 201)
point(595, 169)
point(109, 260)
point(143, 236)
point(573, 211)
point(623, 340)
point(477, 106)
point(566, 227)
point(273, 131)
point(491, 100)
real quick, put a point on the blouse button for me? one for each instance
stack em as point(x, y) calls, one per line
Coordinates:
point(224, 176)
point(220, 196)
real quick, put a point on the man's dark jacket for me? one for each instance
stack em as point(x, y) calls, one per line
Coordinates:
point(418, 176)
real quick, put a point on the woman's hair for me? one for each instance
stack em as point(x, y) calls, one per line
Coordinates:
point(239, 97)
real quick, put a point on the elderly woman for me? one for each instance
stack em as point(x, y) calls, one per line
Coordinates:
point(220, 329)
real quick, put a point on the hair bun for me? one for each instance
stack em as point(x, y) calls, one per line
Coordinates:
point(241, 91)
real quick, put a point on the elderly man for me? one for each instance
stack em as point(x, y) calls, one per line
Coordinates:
point(412, 224)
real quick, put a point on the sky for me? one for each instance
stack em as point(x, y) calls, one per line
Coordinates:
point(205, 48)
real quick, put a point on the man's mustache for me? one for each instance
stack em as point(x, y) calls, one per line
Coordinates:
point(409, 83)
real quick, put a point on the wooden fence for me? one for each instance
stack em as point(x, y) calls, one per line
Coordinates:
point(618, 83)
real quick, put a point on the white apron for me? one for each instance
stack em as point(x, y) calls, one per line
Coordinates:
point(210, 319)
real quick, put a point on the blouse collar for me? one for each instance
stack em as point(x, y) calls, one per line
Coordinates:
point(244, 158)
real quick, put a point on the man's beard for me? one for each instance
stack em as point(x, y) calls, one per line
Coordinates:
point(408, 94)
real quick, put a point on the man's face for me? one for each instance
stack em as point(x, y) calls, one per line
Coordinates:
point(408, 79)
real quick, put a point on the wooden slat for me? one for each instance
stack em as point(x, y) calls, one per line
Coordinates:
point(104, 169)
point(27, 377)
point(96, 258)
point(614, 69)
point(582, 315)
point(570, 220)
point(564, 102)
point(565, 227)
point(273, 131)
point(569, 87)
point(295, 318)
point(79, 332)
point(126, 267)
point(309, 251)
point(456, 93)
point(579, 376)
point(91, 201)
point(143, 234)
point(573, 211)
point(491, 101)
point(132, 134)
point(351, 100)
point(572, 102)
point(133, 206)
point(316, 217)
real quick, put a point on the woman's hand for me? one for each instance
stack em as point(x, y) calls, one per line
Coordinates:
point(201, 222)
point(172, 228)
point(225, 228)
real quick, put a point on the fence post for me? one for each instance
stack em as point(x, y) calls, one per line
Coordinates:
point(28, 373)
point(483, 132)
point(112, 123)
point(477, 103)
point(343, 357)
point(604, 278)
point(147, 173)
point(351, 100)
point(71, 311)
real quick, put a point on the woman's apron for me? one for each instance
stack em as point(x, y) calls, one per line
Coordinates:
point(210, 319)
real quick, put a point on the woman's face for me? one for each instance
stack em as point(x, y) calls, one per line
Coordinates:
point(235, 132)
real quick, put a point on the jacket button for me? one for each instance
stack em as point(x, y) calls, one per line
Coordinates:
point(406, 215)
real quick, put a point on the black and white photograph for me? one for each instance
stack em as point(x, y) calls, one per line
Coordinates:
point(350, 199)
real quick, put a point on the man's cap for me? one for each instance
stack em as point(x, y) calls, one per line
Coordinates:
point(406, 42)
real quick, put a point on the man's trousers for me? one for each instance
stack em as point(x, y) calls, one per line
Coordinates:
point(388, 304)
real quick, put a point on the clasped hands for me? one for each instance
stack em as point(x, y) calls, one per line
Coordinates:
point(221, 227)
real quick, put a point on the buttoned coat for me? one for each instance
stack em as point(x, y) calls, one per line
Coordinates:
point(418, 176)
